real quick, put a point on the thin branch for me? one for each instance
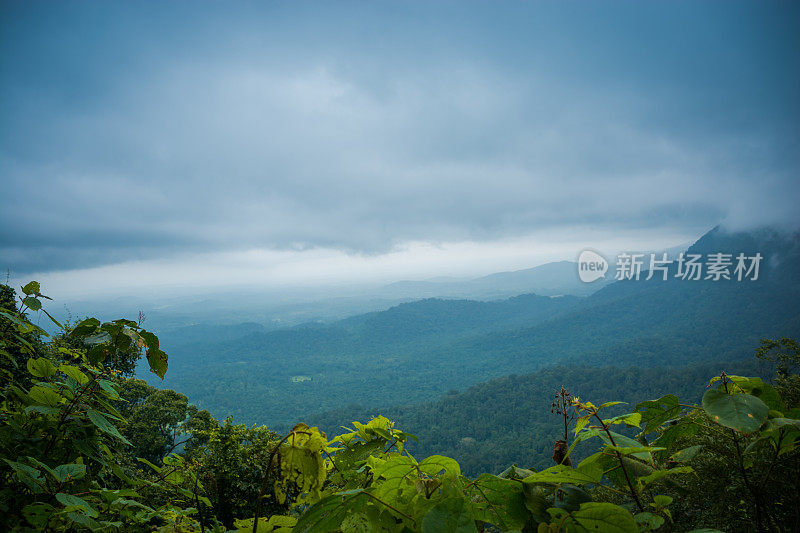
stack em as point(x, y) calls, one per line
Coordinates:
point(634, 493)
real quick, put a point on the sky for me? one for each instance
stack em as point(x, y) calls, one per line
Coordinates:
point(189, 144)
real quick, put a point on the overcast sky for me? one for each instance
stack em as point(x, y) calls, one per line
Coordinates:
point(285, 142)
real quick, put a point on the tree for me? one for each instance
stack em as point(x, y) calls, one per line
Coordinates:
point(159, 421)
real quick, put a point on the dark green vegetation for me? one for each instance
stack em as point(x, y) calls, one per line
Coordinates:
point(507, 420)
point(86, 446)
point(74, 428)
point(419, 351)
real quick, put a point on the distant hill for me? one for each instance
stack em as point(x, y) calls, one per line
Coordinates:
point(550, 279)
point(418, 351)
point(255, 370)
point(288, 307)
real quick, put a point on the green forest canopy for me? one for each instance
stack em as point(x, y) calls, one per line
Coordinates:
point(87, 447)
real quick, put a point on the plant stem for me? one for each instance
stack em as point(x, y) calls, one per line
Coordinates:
point(634, 493)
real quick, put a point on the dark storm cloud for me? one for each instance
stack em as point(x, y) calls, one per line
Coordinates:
point(134, 131)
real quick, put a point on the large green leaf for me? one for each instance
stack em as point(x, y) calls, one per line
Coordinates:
point(75, 373)
point(327, 514)
point(158, 362)
point(68, 500)
point(31, 288)
point(355, 453)
point(537, 501)
point(763, 391)
point(28, 475)
point(656, 412)
point(397, 473)
point(85, 327)
point(741, 412)
point(605, 517)
point(583, 475)
point(32, 303)
point(45, 396)
point(659, 474)
point(104, 425)
point(435, 464)
point(38, 514)
point(449, 516)
point(498, 501)
point(686, 454)
point(672, 434)
point(41, 367)
point(570, 497)
point(69, 471)
point(627, 443)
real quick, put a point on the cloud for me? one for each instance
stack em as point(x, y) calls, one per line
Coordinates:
point(279, 130)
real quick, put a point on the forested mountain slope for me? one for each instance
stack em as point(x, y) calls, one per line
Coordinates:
point(418, 351)
point(509, 420)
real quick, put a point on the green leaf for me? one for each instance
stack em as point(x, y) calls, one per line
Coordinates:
point(28, 475)
point(605, 517)
point(630, 419)
point(158, 362)
point(109, 388)
point(395, 472)
point(585, 474)
point(75, 373)
point(783, 422)
point(45, 396)
point(43, 409)
point(661, 500)
point(104, 425)
point(656, 412)
point(356, 453)
point(632, 450)
point(31, 288)
point(626, 442)
point(763, 391)
point(38, 514)
point(649, 520)
point(742, 412)
point(43, 466)
point(570, 497)
point(69, 471)
point(449, 516)
point(85, 327)
point(499, 501)
point(435, 464)
point(41, 367)
point(581, 423)
point(32, 303)
point(659, 474)
point(69, 500)
point(686, 454)
point(383, 433)
point(536, 501)
point(327, 514)
point(84, 520)
point(672, 434)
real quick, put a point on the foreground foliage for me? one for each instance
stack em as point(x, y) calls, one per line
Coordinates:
point(85, 447)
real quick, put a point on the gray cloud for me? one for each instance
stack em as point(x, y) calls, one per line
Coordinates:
point(136, 133)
